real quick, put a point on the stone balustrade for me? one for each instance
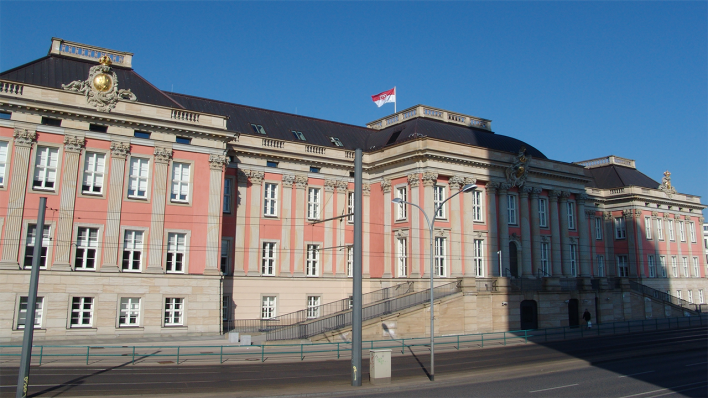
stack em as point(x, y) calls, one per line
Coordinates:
point(11, 88)
point(432, 113)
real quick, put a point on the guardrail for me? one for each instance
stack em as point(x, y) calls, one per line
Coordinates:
point(663, 296)
point(41, 354)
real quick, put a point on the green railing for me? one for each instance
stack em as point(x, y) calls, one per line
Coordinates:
point(180, 354)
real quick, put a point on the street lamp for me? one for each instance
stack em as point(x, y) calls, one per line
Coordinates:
point(466, 188)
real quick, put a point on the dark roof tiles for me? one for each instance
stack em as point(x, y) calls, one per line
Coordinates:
point(615, 176)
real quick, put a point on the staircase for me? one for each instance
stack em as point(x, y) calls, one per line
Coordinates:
point(664, 297)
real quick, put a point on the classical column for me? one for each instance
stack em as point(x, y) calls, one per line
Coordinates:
point(340, 254)
point(687, 221)
point(535, 230)
point(429, 180)
point(638, 236)
point(299, 221)
point(366, 229)
point(388, 236)
point(565, 241)
point(214, 213)
point(241, 221)
point(327, 255)
point(526, 269)
point(555, 234)
point(467, 232)
point(22, 148)
point(159, 197)
point(584, 248)
point(414, 214)
point(504, 224)
point(456, 182)
point(255, 177)
point(72, 152)
point(111, 236)
point(589, 219)
point(610, 268)
point(287, 222)
point(655, 220)
point(629, 217)
point(493, 246)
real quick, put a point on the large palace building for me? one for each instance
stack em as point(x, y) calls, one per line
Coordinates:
point(169, 214)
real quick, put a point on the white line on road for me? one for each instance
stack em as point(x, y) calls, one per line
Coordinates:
point(694, 364)
point(662, 389)
point(635, 374)
point(554, 388)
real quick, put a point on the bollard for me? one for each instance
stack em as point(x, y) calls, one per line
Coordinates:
point(403, 345)
point(133, 355)
point(504, 338)
point(301, 356)
point(41, 351)
point(337, 350)
point(482, 340)
point(177, 355)
point(221, 355)
point(262, 353)
point(87, 354)
point(458, 342)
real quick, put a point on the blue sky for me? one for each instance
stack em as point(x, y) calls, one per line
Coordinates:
point(577, 80)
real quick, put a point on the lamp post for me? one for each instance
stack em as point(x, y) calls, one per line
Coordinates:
point(431, 224)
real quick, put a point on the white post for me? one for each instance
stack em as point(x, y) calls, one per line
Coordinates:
point(395, 100)
point(500, 263)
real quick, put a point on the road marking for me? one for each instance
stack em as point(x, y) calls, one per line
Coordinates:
point(554, 388)
point(662, 389)
point(699, 363)
point(635, 374)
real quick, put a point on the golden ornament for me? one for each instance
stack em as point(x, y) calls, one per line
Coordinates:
point(102, 82)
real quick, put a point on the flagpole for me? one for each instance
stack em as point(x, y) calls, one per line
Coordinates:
point(394, 101)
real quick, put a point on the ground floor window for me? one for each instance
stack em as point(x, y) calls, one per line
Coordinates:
point(81, 312)
point(174, 310)
point(129, 311)
point(622, 266)
point(22, 314)
point(313, 306)
point(268, 307)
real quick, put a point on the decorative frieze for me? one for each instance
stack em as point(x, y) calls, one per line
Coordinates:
point(330, 185)
point(342, 186)
point(218, 162)
point(456, 182)
point(366, 189)
point(288, 180)
point(413, 180)
point(300, 182)
point(429, 178)
point(255, 177)
point(162, 155)
point(386, 185)
point(120, 150)
point(470, 180)
point(73, 144)
point(24, 137)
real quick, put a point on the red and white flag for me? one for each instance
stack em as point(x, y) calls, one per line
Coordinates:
point(385, 97)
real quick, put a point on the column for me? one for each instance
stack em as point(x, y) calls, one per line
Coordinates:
point(526, 269)
point(610, 267)
point(504, 225)
point(414, 214)
point(287, 222)
point(24, 138)
point(584, 249)
point(65, 226)
point(639, 235)
point(467, 236)
point(555, 234)
point(655, 220)
point(255, 177)
point(327, 255)
point(111, 236)
point(429, 180)
point(456, 237)
point(590, 220)
point(157, 222)
point(214, 213)
point(341, 253)
point(493, 246)
point(689, 244)
point(630, 224)
point(564, 237)
point(366, 229)
point(240, 238)
point(386, 188)
point(535, 230)
point(299, 220)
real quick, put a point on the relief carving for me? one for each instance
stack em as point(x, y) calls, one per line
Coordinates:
point(101, 87)
point(330, 185)
point(342, 186)
point(518, 171)
point(456, 182)
point(73, 143)
point(429, 178)
point(413, 180)
point(666, 186)
point(217, 162)
point(162, 155)
point(288, 180)
point(366, 189)
point(386, 185)
point(24, 137)
point(120, 150)
point(300, 182)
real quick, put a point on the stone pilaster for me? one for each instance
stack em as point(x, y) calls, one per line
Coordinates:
point(299, 225)
point(504, 225)
point(456, 238)
point(584, 246)
point(493, 244)
point(327, 256)
point(388, 236)
point(159, 197)
point(255, 178)
point(73, 145)
point(610, 263)
point(429, 180)
point(111, 236)
point(467, 229)
point(287, 221)
point(525, 269)
point(217, 163)
point(24, 139)
point(366, 229)
point(590, 222)
point(241, 221)
point(535, 230)
point(555, 234)
point(414, 214)
point(630, 225)
point(340, 254)
point(655, 220)
point(565, 241)
point(689, 244)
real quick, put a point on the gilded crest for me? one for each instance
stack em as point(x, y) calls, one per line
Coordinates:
point(517, 172)
point(101, 87)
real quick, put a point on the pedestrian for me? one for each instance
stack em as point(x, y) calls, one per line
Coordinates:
point(587, 317)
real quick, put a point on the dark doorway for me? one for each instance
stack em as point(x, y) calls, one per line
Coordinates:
point(513, 259)
point(573, 315)
point(529, 315)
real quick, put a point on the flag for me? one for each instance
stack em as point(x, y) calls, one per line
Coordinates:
point(385, 97)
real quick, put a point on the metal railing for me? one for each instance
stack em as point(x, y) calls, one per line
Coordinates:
point(663, 296)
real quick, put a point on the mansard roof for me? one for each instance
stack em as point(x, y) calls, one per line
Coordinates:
point(616, 176)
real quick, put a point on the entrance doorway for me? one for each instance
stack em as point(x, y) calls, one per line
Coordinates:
point(573, 314)
point(513, 260)
point(529, 315)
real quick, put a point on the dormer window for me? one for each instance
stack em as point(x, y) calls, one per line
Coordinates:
point(299, 135)
point(336, 141)
point(258, 129)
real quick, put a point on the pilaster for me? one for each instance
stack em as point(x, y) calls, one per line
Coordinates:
point(287, 222)
point(630, 224)
point(159, 197)
point(217, 163)
point(388, 236)
point(584, 246)
point(429, 180)
point(340, 254)
point(255, 178)
point(504, 224)
point(72, 152)
point(414, 214)
point(525, 269)
point(327, 256)
point(456, 182)
point(299, 226)
point(555, 234)
point(565, 241)
point(467, 229)
point(535, 229)
point(493, 244)
point(241, 223)
point(366, 228)
point(610, 264)
point(111, 235)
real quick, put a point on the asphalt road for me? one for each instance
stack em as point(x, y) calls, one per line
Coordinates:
point(671, 362)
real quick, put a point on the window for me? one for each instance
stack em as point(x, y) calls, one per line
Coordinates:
point(622, 267)
point(3, 162)
point(647, 227)
point(141, 134)
point(477, 211)
point(674, 266)
point(671, 230)
point(543, 212)
point(132, 251)
point(5, 115)
point(228, 194)
point(600, 266)
point(174, 310)
point(314, 169)
point(129, 311)
point(350, 261)
point(684, 265)
point(313, 307)
point(478, 258)
point(336, 141)
point(511, 209)
point(258, 128)
point(94, 166)
point(350, 207)
point(690, 296)
point(30, 242)
point(313, 203)
point(438, 199)
point(440, 267)
point(660, 229)
point(45, 169)
point(598, 228)
point(682, 231)
point(678, 294)
point(270, 199)
point(50, 121)
point(299, 135)
point(268, 259)
point(81, 312)
point(98, 128)
point(271, 164)
point(662, 265)
point(183, 140)
point(22, 313)
point(620, 231)
point(544, 259)
point(180, 182)
point(225, 250)
point(268, 307)
point(574, 260)
point(691, 227)
point(313, 256)
point(176, 247)
point(138, 178)
point(571, 215)
point(402, 257)
point(696, 270)
point(402, 209)
point(226, 308)
point(701, 299)
point(86, 247)
point(652, 266)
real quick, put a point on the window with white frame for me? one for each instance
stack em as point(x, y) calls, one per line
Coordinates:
point(652, 266)
point(662, 266)
point(3, 162)
point(682, 231)
point(660, 229)
point(138, 178)
point(313, 203)
point(268, 259)
point(438, 199)
point(620, 230)
point(129, 311)
point(22, 312)
point(313, 260)
point(440, 257)
point(542, 212)
point(678, 294)
point(690, 296)
point(402, 209)
point(545, 269)
point(270, 199)
point(180, 182)
point(228, 194)
point(598, 228)
point(45, 168)
point(701, 298)
point(600, 266)
point(622, 266)
point(684, 265)
point(132, 251)
point(571, 215)
point(350, 207)
point(29, 246)
point(696, 268)
point(692, 231)
point(647, 227)
point(94, 169)
point(225, 250)
point(477, 206)
point(511, 209)
point(86, 247)
point(81, 312)
point(402, 257)
point(174, 311)
point(350, 261)
point(268, 307)
point(313, 307)
point(478, 257)
point(176, 252)
point(670, 226)
point(674, 266)
point(573, 259)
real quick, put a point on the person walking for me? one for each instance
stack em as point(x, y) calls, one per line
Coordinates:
point(587, 317)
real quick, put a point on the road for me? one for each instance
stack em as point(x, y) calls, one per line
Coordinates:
point(671, 362)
